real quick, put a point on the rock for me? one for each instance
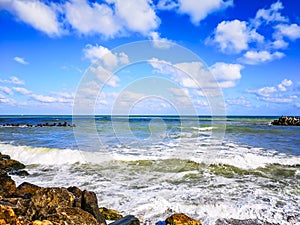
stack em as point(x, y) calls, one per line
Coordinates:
point(19, 205)
point(241, 222)
point(21, 173)
point(89, 203)
point(8, 216)
point(44, 222)
point(26, 190)
point(287, 121)
point(11, 164)
point(110, 214)
point(45, 201)
point(7, 185)
point(78, 194)
point(127, 220)
point(72, 216)
point(4, 157)
point(181, 219)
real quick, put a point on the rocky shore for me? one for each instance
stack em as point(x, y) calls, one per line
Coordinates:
point(287, 121)
point(29, 204)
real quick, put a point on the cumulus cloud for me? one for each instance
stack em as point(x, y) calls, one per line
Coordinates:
point(159, 42)
point(284, 84)
point(13, 80)
point(257, 57)
point(264, 91)
point(234, 36)
point(198, 11)
point(242, 101)
point(35, 13)
point(20, 60)
point(291, 31)
point(108, 58)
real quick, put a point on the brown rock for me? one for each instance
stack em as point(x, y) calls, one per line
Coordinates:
point(11, 164)
point(78, 194)
point(44, 222)
point(181, 219)
point(19, 205)
point(110, 214)
point(7, 185)
point(26, 190)
point(89, 203)
point(45, 201)
point(72, 216)
point(8, 216)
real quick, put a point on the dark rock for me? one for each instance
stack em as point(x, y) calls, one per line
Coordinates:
point(70, 215)
point(181, 219)
point(21, 173)
point(110, 214)
point(8, 216)
point(127, 220)
point(4, 157)
point(19, 205)
point(89, 203)
point(78, 194)
point(241, 222)
point(11, 164)
point(26, 190)
point(7, 185)
point(45, 201)
point(287, 121)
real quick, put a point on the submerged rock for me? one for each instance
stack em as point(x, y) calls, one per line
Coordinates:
point(110, 214)
point(127, 220)
point(89, 203)
point(181, 219)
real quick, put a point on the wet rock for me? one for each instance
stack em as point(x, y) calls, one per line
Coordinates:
point(45, 201)
point(181, 219)
point(72, 216)
point(26, 190)
point(110, 214)
point(89, 203)
point(287, 121)
point(11, 164)
point(19, 205)
point(8, 216)
point(7, 185)
point(78, 194)
point(4, 157)
point(21, 173)
point(127, 220)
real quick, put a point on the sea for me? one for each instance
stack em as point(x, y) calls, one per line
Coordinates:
point(209, 168)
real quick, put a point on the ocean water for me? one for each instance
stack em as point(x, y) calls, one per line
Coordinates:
point(153, 166)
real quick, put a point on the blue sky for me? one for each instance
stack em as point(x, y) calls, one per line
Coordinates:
point(251, 47)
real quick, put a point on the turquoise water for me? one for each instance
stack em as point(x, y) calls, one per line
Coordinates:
point(151, 166)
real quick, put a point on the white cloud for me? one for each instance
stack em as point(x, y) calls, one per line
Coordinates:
point(226, 74)
point(238, 101)
point(159, 42)
point(137, 15)
point(285, 83)
point(256, 57)
point(279, 44)
point(270, 15)
point(22, 90)
point(280, 99)
point(20, 60)
point(108, 58)
point(291, 31)
point(6, 90)
point(198, 11)
point(35, 13)
point(264, 91)
point(13, 80)
point(5, 100)
point(234, 36)
point(167, 4)
point(105, 77)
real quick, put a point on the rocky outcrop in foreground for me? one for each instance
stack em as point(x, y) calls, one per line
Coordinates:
point(287, 121)
point(29, 204)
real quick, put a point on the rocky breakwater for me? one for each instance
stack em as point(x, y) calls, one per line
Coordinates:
point(29, 204)
point(287, 121)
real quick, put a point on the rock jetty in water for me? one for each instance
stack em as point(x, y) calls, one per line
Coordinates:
point(287, 121)
point(29, 204)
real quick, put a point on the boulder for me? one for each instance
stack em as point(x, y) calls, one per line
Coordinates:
point(127, 220)
point(44, 222)
point(26, 190)
point(181, 219)
point(45, 201)
point(19, 205)
point(7, 185)
point(21, 173)
point(78, 194)
point(287, 121)
point(110, 214)
point(89, 203)
point(8, 216)
point(11, 164)
point(72, 216)
point(4, 157)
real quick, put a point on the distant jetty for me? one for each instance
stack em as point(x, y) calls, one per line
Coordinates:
point(64, 124)
point(287, 121)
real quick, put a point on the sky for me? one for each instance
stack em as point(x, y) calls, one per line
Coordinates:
point(56, 55)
